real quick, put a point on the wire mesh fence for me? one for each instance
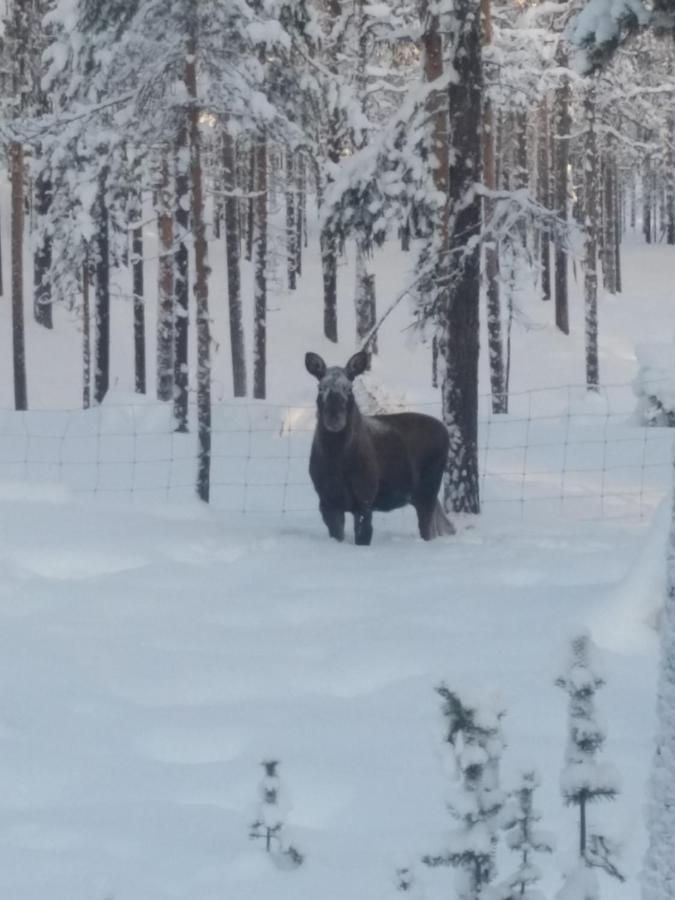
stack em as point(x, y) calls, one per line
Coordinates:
point(556, 450)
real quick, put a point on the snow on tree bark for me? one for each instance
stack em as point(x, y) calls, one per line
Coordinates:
point(460, 332)
point(42, 260)
point(139, 308)
point(544, 194)
point(260, 272)
point(181, 285)
point(494, 309)
point(201, 278)
point(562, 128)
point(291, 228)
point(591, 167)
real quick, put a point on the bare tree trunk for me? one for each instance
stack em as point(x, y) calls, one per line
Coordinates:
point(647, 200)
point(201, 283)
point(233, 254)
point(300, 212)
point(86, 339)
point(608, 240)
point(562, 124)
point(544, 196)
point(250, 217)
point(260, 267)
point(139, 309)
point(17, 227)
point(494, 309)
point(618, 231)
point(102, 291)
point(591, 167)
point(460, 340)
point(42, 260)
point(165, 291)
point(181, 284)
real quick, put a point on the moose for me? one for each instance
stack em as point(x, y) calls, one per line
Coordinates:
point(361, 463)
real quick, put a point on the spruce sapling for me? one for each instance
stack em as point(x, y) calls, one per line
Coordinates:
point(522, 835)
point(269, 825)
point(584, 778)
point(474, 732)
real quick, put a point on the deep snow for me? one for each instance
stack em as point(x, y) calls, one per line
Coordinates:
point(153, 654)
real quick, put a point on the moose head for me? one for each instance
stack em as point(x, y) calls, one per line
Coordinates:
point(335, 401)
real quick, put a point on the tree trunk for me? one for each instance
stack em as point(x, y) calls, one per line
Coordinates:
point(328, 239)
point(260, 267)
point(608, 240)
point(17, 227)
point(364, 298)
point(233, 254)
point(291, 226)
point(42, 261)
point(494, 310)
point(201, 283)
point(647, 200)
point(460, 340)
point(165, 291)
point(139, 309)
point(86, 339)
point(102, 291)
point(300, 212)
point(250, 218)
point(591, 168)
point(562, 125)
point(181, 284)
point(544, 196)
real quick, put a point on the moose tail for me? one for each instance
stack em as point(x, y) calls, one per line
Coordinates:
point(440, 523)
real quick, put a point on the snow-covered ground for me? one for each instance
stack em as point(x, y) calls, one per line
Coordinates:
point(151, 659)
point(154, 653)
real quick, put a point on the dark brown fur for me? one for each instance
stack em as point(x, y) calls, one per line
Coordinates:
point(361, 463)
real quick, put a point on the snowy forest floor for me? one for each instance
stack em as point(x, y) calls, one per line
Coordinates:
point(152, 655)
point(151, 659)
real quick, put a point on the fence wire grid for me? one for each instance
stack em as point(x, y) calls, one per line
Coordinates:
point(557, 449)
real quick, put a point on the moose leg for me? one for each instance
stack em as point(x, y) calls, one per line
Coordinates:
point(426, 497)
point(335, 521)
point(425, 513)
point(363, 527)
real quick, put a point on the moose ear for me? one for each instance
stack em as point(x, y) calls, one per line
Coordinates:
point(357, 365)
point(315, 365)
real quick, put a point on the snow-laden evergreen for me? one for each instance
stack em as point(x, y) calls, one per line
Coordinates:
point(475, 735)
point(586, 779)
point(526, 839)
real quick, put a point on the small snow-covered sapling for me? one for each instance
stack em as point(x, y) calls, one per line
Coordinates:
point(585, 779)
point(474, 732)
point(519, 821)
point(269, 825)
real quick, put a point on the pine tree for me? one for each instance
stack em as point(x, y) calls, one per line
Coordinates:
point(526, 839)
point(269, 826)
point(591, 166)
point(585, 779)
point(474, 733)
